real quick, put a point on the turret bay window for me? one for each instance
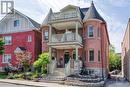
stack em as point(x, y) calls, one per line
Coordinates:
point(98, 32)
point(91, 55)
point(90, 31)
point(46, 35)
point(8, 40)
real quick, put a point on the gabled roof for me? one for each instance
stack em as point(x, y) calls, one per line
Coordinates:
point(68, 7)
point(34, 23)
point(45, 22)
point(19, 49)
point(92, 14)
point(84, 10)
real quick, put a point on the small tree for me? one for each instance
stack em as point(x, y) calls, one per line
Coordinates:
point(24, 59)
point(42, 62)
point(114, 60)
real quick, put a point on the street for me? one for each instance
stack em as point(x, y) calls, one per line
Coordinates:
point(11, 85)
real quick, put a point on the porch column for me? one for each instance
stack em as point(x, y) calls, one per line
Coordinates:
point(50, 33)
point(50, 53)
point(76, 31)
point(76, 52)
point(76, 63)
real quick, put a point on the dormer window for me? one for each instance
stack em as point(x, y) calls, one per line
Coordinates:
point(90, 31)
point(16, 23)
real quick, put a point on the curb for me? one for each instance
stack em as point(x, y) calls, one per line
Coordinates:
point(19, 83)
point(34, 84)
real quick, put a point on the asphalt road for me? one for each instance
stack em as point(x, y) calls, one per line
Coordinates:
point(11, 85)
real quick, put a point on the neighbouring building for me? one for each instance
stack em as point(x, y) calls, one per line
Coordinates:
point(76, 37)
point(126, 53)
point(19, 33)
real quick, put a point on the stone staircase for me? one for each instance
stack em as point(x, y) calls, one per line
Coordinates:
point(58, 74)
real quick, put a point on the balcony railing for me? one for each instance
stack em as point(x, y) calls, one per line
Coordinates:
point(62, 16)
point(66, 37)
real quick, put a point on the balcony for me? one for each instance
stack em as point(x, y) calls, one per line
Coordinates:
point(66, 37)
point(63, 16)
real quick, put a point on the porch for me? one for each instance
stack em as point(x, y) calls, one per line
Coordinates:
point(65, 61)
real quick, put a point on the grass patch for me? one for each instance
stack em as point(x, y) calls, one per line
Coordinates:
point(3, 75)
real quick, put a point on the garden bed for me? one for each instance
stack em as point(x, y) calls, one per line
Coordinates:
point(3, 75)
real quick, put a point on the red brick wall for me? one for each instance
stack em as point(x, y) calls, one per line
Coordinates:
point(20, 39)
point(96, 43)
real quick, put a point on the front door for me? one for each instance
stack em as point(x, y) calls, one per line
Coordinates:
point(66, 57)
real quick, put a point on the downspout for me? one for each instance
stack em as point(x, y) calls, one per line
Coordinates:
point(84, 56)
point(102, 50)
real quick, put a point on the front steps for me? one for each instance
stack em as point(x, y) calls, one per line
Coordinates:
point(58, 74)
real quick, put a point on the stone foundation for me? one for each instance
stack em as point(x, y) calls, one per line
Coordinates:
point(97, 72)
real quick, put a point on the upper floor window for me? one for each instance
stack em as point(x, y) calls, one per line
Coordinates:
point(91, 55)
point(16, 23)
point(90, 31)
point(6, 58)
point(98, 32)
point(29, 39)
point(99, 56)
point(8, 40)
point(46, 35)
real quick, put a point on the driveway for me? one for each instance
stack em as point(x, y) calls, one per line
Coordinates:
point(119, 84)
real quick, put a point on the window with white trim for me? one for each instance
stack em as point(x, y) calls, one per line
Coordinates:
point(99, 56)
point(16, 23)
point(91, 55)
point(29, 39)
point(46, 35)
point(8, 40)
point(6, 58)
point(98, 32)
point(90, 31)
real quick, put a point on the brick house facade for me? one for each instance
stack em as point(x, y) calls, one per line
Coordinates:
point(126, 53)
point(19, 31)
point(77, 37)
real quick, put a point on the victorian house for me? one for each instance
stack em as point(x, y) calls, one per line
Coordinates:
point(76, 38)
point(20, 33)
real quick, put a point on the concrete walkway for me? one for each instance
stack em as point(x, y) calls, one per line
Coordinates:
point(35, 84)
point(119, 84)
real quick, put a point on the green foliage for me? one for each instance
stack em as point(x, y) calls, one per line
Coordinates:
point(3, 75)
point(1, 47)
point(114, 60)
point(42, 62)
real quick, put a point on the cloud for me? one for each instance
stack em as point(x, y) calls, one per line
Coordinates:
point(38, 9)
point(119, 3)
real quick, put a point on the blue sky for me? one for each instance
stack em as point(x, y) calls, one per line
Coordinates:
point(115, 12)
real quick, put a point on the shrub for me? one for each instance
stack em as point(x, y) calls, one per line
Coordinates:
point(42, 62)
point(21, 75)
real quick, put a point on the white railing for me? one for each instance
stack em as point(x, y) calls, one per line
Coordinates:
point(66, 37)
point(67, 68)
point(63, 15)
point(52, 66)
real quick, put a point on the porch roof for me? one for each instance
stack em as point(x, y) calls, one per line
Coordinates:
point(65, 45)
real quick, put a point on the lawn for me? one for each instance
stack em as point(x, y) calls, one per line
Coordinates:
point(3, 75)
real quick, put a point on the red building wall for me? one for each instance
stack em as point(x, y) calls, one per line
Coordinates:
point(20, 39)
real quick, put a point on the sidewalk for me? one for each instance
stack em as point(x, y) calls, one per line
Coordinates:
point(35, 84)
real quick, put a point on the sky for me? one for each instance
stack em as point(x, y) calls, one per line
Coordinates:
point(115, 12)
